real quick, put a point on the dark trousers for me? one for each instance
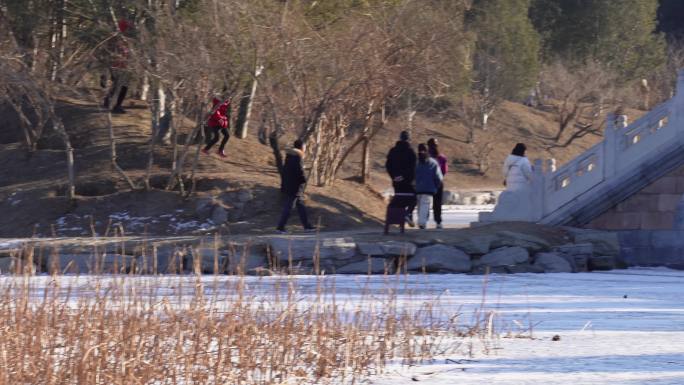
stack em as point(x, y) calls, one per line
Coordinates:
point(437, 204)
point(408, 202)
point(214, 132)
point(118, 82)
point(400, 198)
point(288, 202)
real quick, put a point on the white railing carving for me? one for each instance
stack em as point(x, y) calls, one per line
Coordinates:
point(621, 151)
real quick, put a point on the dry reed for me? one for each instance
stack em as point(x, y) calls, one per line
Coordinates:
point(129, 329)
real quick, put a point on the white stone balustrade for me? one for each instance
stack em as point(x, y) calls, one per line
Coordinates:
point(623, 150)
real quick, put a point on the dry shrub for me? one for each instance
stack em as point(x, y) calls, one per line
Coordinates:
point(200, 330)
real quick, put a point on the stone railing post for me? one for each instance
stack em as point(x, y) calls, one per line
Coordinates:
point(537, 191)
point(677, 107)
point(610, 147)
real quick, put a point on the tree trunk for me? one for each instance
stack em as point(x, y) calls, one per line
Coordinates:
point(154, 126)
point(113, 156)
point(177, 174)
point(365, 158)
point(195, 160)
point(277, 155)
point(71, 186)
point(246, 103)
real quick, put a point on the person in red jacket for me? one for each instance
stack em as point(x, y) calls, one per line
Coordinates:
point(219, 121)
point(118, 69)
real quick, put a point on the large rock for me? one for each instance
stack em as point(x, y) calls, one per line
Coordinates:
point(284, 249)
point(369, 249)
point(552, 263)
point(525, 240)
point(440, 258)
point(505, 256)
point(164, 258)
point(396, 248)
point(371, 265)
point(602, 262)
point(91, 264)
point(12, 265)
point(219, 215)
point(576, 254)
point(210, 260)
point(476, 244)
point(203, 207)
point(605, 242)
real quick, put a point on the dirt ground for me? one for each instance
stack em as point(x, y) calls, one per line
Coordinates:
point(32, 186)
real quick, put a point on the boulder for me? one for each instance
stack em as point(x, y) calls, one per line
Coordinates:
point(505, 256)
point(476, 244)
point(371, 265)
point(304, 249)
point(602, 262)
point(11, 265)
point(483, 269)
point(91, 264)
point(168, 258)
point(440, 258)
point(219, 215)
point(206, 257)
point(396, 248)
point(604, 242)
point(203, 207)
point(576, 254)
point(369, 249)
point(552, 263)
point(525, 240)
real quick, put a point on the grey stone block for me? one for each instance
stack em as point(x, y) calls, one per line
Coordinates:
point(440, 258)
point(636, 256)
point(371, 265)
point(369, 248)
point(505, 256)
point(519, 239)
point(219, 215)
point(602, 262)
point(552, 263)
point(667, 238)
point(605, 242)
point(634, 238)
point(575, 249)
point(396, 248)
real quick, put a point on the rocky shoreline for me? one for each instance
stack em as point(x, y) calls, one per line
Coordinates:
point(503, 248)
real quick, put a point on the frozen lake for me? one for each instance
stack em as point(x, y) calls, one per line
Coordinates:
point(618, 327)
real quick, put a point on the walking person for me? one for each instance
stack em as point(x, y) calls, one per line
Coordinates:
point(428, 179)
point(401, 167)
point(218, 122)
point(515, 202)
point(433, 150)
point(293, 183)
point(119, 73)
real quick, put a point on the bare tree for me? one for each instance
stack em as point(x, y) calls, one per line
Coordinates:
point(580, 96)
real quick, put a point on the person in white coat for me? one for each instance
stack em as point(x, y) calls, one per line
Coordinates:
point(515, 202)
point(517, 170)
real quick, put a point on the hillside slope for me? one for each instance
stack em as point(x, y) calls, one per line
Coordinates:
point(245, 185)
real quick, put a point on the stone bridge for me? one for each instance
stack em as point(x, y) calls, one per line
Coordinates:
point(633, 179)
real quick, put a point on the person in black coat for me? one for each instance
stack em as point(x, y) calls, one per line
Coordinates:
point(292, 186)
point(401, 167)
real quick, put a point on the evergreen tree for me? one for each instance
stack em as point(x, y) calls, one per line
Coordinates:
point(506, 57)
point(620, 34)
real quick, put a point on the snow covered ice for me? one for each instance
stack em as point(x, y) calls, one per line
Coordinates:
point(624, 327)
point(617, 327)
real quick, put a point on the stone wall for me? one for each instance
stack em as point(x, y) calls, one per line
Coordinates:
point(652, 248)
point(653, 208)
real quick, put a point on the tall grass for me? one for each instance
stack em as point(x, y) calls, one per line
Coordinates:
point(128, 329)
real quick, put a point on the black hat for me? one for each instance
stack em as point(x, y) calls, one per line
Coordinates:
point(404, 136)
